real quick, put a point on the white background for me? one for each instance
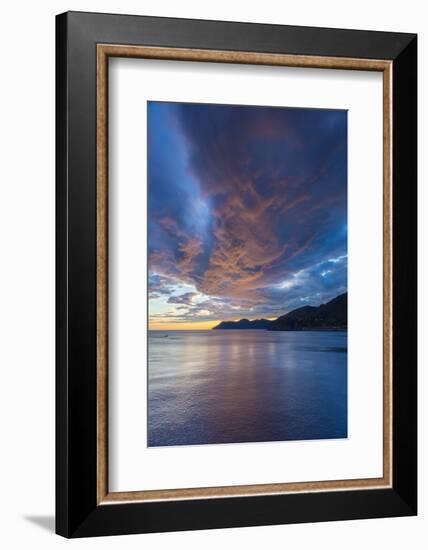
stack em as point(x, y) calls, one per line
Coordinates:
point(27, 274)
point(132, 465)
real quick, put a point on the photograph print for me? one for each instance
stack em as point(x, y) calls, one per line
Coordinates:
point(247, 274)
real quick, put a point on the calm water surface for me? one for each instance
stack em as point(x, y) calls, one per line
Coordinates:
point(234, 386)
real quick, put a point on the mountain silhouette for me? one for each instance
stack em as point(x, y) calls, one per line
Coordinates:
point(244, 324)
point(330, 316)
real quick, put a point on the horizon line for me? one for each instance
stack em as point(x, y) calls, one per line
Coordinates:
point(210, 324)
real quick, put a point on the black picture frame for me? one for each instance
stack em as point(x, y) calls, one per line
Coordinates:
point(77, 511)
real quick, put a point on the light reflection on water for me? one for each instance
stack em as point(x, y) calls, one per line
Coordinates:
point(246, 386)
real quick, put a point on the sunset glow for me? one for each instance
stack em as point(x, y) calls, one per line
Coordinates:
point(183, 325)
point(247, 212)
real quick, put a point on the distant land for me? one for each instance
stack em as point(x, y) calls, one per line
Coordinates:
point(330, 316)
point(244, 323)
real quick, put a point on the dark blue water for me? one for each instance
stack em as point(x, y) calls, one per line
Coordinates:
point(246, 386)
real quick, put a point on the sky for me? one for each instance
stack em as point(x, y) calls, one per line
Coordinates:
point(247, 211)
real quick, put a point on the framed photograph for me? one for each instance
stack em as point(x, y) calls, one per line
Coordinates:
point(236, 274)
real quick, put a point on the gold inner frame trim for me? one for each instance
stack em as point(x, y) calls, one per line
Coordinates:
point(104, 51)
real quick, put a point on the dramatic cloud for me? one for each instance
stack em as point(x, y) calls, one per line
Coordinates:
point(247, 209)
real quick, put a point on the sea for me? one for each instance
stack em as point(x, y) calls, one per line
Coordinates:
point(242, 386)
